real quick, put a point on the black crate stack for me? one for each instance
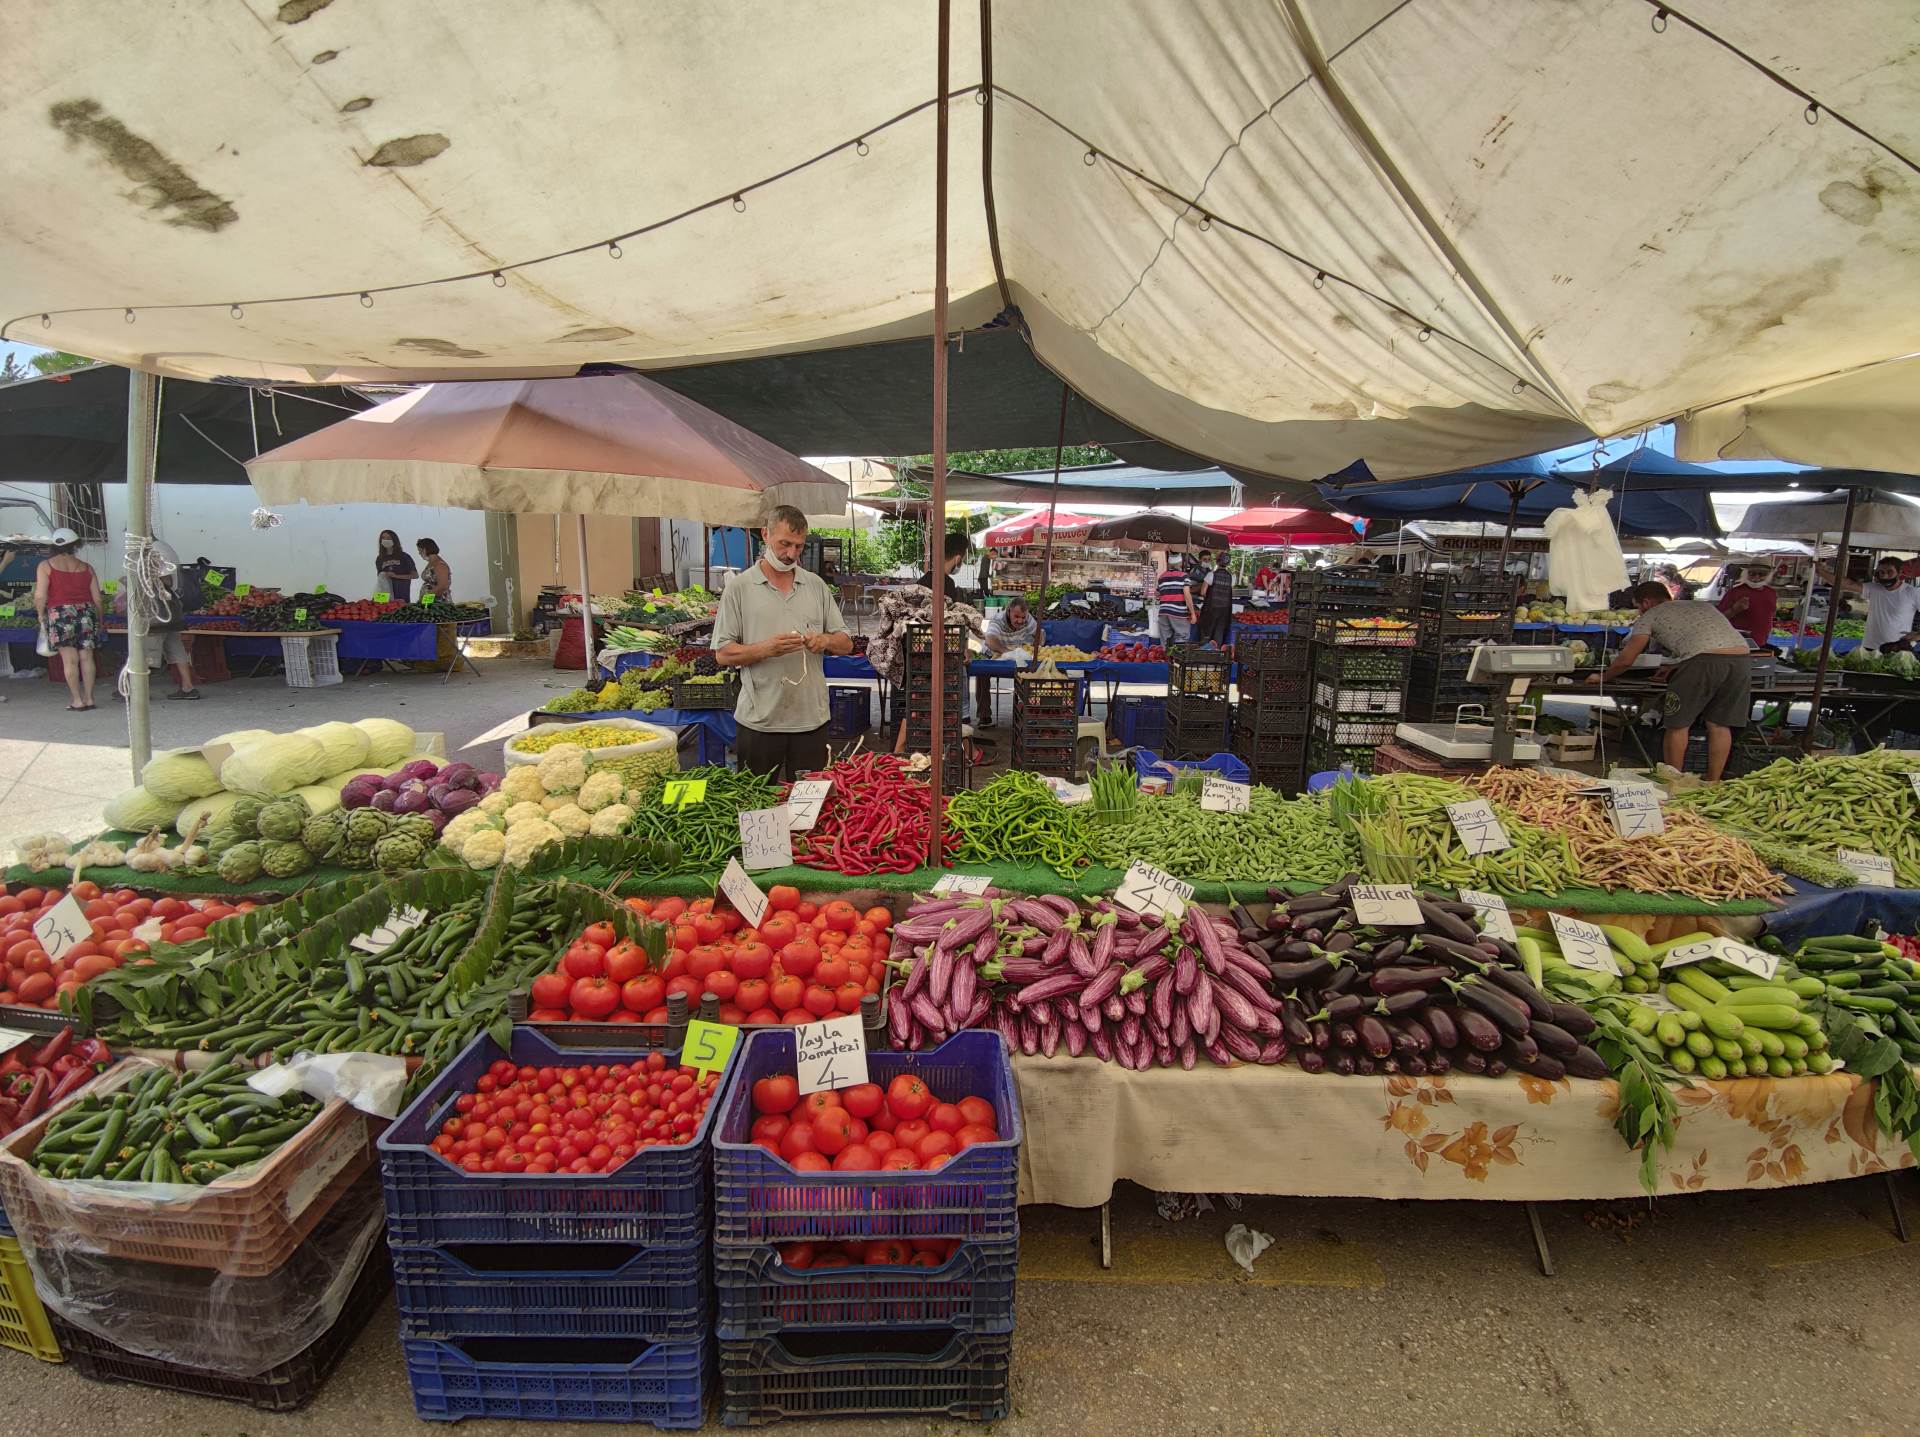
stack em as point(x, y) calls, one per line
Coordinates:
point(1364, 626)
point(919, 686)
point(1197, 706)
point(1046, 723)
point(1457, 613)
point(1270, 718)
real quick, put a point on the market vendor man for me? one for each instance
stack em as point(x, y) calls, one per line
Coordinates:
point(776, 624)
point(1711, 678)
point(1893, 610)
point(1013, 627)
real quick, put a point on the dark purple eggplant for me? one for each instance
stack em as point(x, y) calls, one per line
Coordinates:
point(1373, 1035)
point(1553, 1040)
point(1472, 1061)
point(1310, 1061)
point(1519, 1050)
point(1516, 985)
point(1501, 949)
point(1389, 1065)
point(1415, 1029)
point(1439, 1020)
point(1341, 1063)
point(1414, 1066)
point(1344, 1036)
point(1339, 941)
point(1544, 1066)
point(1309, 972)
point(1344, 977)
point(1583, 1062)
point(1505, 1011)
point(1387, 952)
point(1388, 981)
point(1293, 951)
point(1293, 1020)
point(1438, 1063)
point(1477, 1029)
point(1364, 1065)
point(1496, 1068)
point(1400, 1004)
point(1322, 1035)
point(1445, 923)
point(1448, 947)
point(1310, 936)
point(1244, 922)
point(1575, 1019)
point(1346, 1007)
point(1404, 1043)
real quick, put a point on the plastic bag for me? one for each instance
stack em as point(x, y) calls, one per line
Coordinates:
point(372, 1082)
point(1584, 562)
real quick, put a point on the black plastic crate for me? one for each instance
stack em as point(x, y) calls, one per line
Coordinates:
point(544, 1289)
point(1046, 693)
point(1065, 730)
point(1285, 779)
point(1352, 730)
point(689, 695)
point(1192, 670)
point(1363, 667)
point(1330, 698)
point(1346, 584)
point(971, 1291)
point(1272, 653)
point(920, 640)
point(1271, 752)
point(1469, 592)
point(1276, 686)
point(1325, 757)
point(1449, 664)
point(1371, 630)
point(284, 1388)
point(1442, 630)
point(1271, 720)
point(885, 1372)
point(1194, 740)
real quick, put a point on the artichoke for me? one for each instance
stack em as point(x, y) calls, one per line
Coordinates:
point(283, 860)
point(418, 826)
point(322, 836)
point(218, 840)
point(354, 855)
point(240, 864)
point(244, 817)
point(398, 854)
point(282, 819)
point(367, 826)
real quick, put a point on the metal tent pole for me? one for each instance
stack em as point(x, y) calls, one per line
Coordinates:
point(143, 411)
point(586, 594)
point(1053, 502)
point(1834, 599)
point(937, 498)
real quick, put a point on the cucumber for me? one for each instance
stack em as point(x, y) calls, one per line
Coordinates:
point(1712, 1068)
point(1705, 984)
point(1700, 1045)
point(1682, 1061)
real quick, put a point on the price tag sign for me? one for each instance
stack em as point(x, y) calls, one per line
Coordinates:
point(766, 840)
point(1496, 919)
point(1635, 810)
point(216, 578)
point(743, 893)
point(1912, 778)
point(64, 926)
point(1874, 870)
point(1727, 950)
point(651, 608)
point(397, 926)
point(975, 883)
point(683, 792)
point(803, 802)
point(112, 586)
point(6, 611)
point(832, 1054)
point(427, 600)
point(1583, 945)
point(383, 599)
point(1478, 826)
point(319, 588)
point(299, 616)
point(11, 1038)
point(709, 1046)
point(1386, 905)
point(1145, 889)
point(1659, 1002)
point(242, 590)
point(1223, 795)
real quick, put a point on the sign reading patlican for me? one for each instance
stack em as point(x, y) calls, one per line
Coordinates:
point(1496, 919)
point(1386, 905)
point(1147, 890)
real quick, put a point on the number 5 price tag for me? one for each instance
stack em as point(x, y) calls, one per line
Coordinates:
point(63, 928)
point(709, 1046)
point(832, 1054)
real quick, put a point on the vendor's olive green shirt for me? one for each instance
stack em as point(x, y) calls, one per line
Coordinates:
point(753, 611)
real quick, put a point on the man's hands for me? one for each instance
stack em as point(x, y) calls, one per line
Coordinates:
point(786, 644)
point(817, 643)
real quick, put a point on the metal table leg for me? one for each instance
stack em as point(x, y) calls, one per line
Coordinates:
point(1540, 1247)
point(1106, 1234)
point(1893, 1202)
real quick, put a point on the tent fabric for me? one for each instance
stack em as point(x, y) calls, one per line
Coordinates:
point(1279, 236)
point(1866, 419)
point(1148, 528)
point(1485, 495)
point(1095, 484)
point(1032, 528)
point(1286, 526)
point(1877, 523)
point(614, 444)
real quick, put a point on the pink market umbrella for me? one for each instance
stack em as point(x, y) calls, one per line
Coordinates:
point(1032, 528)
point(1286, 527)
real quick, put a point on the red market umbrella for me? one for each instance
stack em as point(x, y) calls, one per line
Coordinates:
point(1286, 526)
point(1031, 528)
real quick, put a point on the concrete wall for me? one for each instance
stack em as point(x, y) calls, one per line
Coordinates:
point(610, 553)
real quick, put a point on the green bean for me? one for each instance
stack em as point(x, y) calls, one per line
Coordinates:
point(1016, 819)
point(1275, 839)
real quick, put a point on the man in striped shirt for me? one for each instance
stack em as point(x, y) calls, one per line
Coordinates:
point(1175, 594)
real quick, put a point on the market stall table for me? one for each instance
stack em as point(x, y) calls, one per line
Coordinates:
point(376, 641)
point(264, 645)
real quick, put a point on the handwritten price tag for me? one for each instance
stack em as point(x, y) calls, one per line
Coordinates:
point(1223, 795)
point(803, 803)
point(743, 893)
point(1583, 945)
point(683, 792)
point(829, 1055)
point(1147, 890)
point(65, 926)
point(112, 586)
point(709, 1046)
point(216, 578)
point(766, 841)
point(975, 883)
point(1635, 811)
point(242, 590)
point(11, 1038)
point(1761, 965)
point(1496, 919)
point(1386, 905)
point(1478, 826)
point(1912, 778)
point(1874, 870)
point(397, 926)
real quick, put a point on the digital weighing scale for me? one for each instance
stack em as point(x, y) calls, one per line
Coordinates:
point(1506, 733)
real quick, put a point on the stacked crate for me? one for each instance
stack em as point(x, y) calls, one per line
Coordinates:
point(868, 1340)
point(1197, 708)
point(1458, 612)
point(1364, 626)
point(918, 680)
point(1270, 718)
point(1137, 721)
point(1046, 723)
point(551, 1296)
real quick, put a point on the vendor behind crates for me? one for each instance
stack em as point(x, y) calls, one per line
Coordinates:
point(1712, 676)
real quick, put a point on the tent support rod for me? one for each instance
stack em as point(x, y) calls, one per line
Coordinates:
point(1053, 500)
point(143, 443)
point(706, 557)
point(1835, 597)
point(586, 593)
point(1513, 514)
point(937, 497)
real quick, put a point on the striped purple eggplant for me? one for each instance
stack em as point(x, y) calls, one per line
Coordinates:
point(1163, 1053)
point(1080, 958)
point(1092, 1019)
point(1056, 948)
point(1076, 1038)
point(960, 989)
point(1102, 987)
point(1044, 1014)
point(1151, 968)
point(1196, 928)
point(1130, 1031)
point(1114, 1008)
point(940, 973)
point(1029, 1037)
point(1179, 1027)
point(1188, 1057)
point(928, 1015)
point(1021, 971)
point(1269, 1026)
point(1106, 934)
point(1050, 1040)
point(1006, 1025)
point(1249, 988)
point(1054, 985)
point(1220, 1053)
point(1102, 1045)
point(1274, 1050)
point(1186, 972)
point(1034, 946)
point(1246, 1049)
point(1040, 915)
point(1201, 1011)
point(916, 975)
point(1153, 939)
point(1135, 1002)
point(1060, 903)
point(899, 1021)
point(1161, 1005)
point(985, 947)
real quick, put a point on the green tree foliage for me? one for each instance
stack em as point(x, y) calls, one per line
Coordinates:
point(57, 361)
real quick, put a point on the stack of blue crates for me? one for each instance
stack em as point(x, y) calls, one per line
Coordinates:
point(880, 1340)
point(553, 1296)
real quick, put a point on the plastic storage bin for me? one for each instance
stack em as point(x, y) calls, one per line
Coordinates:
point(758, 1198)
point(553, 1290)
point(560, 1379)
point(312, 661)
point(971, 1292)
point(23, 1320)
point(1137, 720)
point(888, 1373)
point(1151, 765)
point(657, 1200)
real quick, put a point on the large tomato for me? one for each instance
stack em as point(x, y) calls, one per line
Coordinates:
point(778, 930)
point(643, 994)
point(550, 990)
point(626, 960)
point(752, 960)
point(832, 1131)
point(601, 935)
point(946, 1118)
point(585, 960)
point(783, 897)
point(593, 998)
point(862, 1099)
point(978, 1111)
point(840, 915)
point(777, 1094)
point(908, 1096)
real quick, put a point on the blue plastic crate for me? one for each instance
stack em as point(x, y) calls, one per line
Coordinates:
point(892, 1373)
point(1137, 720)
point(566, 1379)
point(657, 1200)
point(760, 1198)
point(661, 1294)
point(972, 1291)
point(1224, 764)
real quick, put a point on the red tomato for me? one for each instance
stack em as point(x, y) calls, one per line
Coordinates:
point(762, 1015)
point(778, 930)
point(974, 1133)
point(908, 1096)
point(601, 935)
point(641, 906)
point(831, 972)
point(770, 1125)
point(819, 1001)
point(548, 1015)
point(643, 994)
point(584, 960)
point(550, 990)
point(723, 985)
point(816, 1103)
point(856, 1158)
point(817, 1163)
point(978, 1111)
point(881, 1143)
point(623, 1015)
point(840, 915)
point(785, 994)
point(832, 1131)
point(800, 957)
point(685, 937)
point(593, 998)
point(626, 960)
point(710, 927)
point(92, 967)
point(934, 1145)
point(704, 960)
point(880, 917)
point(38, 987)
point(796, 1255)
point(777, 1094)
point(945, 1118)
point(752, 993)
point(793, 1017)
point(752, 960)
point(733, 1013)
point(848, 995)
point(665, 910)
point(899, 1160)
point(783, 898)
point(862, 1099)
point(885, 1252)
point(909, 1131)
point(882, 1121)
point(807, 911)
point(688, 984)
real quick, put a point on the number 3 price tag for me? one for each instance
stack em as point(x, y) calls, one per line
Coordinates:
point(832, 1054)
point(1496, 919)
point(63, 928)
point(1386, 905)
point(1147, 890)
point(1583, 944)
point(709, 1046)
point(961, 883)
point(1761, 965)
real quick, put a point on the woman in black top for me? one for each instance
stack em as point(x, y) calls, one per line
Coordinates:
point(394, 567)
point(1216, 610)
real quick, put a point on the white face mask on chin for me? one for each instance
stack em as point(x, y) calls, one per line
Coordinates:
point(776, 563)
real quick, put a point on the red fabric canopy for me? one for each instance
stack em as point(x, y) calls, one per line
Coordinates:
point(1032, 528)
point(1286, 526)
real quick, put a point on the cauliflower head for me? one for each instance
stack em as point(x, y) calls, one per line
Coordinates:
point(522, 783)
point(611, 821)
point(520, 813)
point(554, 802)
point(524, 838)
point(495, 804)
point(483, 848)
point(563, 768)
point(603, 786)
point(570, 819)
point(463, 824)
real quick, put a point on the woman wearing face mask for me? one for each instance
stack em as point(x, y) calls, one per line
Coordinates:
point(393, 568)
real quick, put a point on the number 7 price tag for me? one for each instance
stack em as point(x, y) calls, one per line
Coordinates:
point(709, 1046)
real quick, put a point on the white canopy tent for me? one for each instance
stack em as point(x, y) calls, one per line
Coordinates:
point(1890, 523)
point(1869, 419)
point(1281, 236)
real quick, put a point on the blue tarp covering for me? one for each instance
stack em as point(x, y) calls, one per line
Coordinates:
point(369, 639)
point(1815, 910)
point(1483, 495)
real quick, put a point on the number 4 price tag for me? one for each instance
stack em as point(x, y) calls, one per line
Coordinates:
point(63, 928)
point(1147, 890)
point(1479, 827)
point(832, 1054)
point(709, 1046)
point(743, 893)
